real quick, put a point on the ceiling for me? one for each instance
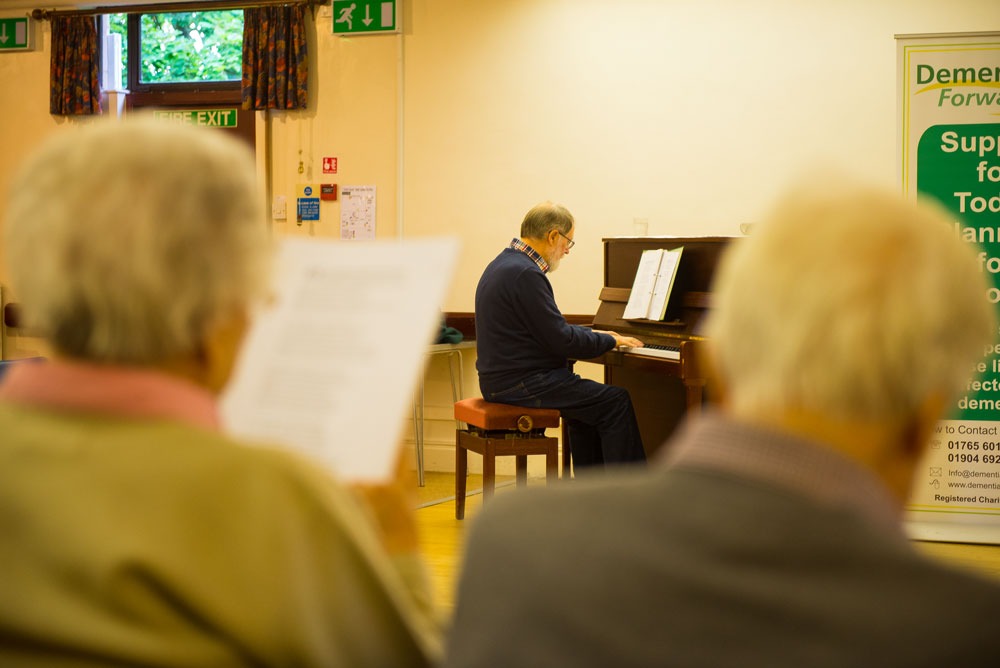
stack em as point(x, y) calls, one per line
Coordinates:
point(74, 4)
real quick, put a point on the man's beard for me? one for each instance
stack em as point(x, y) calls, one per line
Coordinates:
point(553, 261)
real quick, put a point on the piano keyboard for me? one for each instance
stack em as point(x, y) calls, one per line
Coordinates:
point(652, 350)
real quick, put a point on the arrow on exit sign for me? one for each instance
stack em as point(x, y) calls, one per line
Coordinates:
point(14, 34)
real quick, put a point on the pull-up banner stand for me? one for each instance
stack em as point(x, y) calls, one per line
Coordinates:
point(949, 151)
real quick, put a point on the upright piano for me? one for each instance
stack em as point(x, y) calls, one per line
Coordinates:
point(662, 389)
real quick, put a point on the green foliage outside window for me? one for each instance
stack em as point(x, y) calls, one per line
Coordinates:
point(185, 47)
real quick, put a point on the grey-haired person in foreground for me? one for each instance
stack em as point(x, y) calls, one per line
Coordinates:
point(132, 530)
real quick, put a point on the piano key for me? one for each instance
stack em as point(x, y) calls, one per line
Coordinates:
point(655, 350)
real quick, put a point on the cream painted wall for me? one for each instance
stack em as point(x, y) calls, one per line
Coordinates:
point(690, 113)
point(352, 116)
point(24, 107)
point(24, 121)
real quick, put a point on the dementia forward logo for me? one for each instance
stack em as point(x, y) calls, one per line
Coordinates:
point(945, 80)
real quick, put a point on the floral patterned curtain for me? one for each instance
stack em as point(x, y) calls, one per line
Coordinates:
point(75, 87)
point(275, 68)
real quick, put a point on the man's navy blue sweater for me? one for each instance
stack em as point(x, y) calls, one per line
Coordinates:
point(519, 329)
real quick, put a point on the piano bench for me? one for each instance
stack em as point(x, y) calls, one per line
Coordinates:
point(496, 430)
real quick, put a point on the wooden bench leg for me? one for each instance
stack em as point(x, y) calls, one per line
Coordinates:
point(552, 464)
point(489, 469)
point(461, 466)
point(567, 451)
point(465, 441)
point(521, 470)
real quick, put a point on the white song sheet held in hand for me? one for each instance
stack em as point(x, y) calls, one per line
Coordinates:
point(654, 280)
point(330, 366)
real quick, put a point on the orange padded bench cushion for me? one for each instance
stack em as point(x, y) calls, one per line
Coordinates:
point(490, 416)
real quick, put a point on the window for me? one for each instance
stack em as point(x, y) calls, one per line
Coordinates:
point(188, 61)
point(176, 50)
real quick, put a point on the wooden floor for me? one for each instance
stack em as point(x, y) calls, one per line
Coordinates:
point(441, 535)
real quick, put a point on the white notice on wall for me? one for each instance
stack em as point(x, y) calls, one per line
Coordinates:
point(325, 368)
point(357, 212)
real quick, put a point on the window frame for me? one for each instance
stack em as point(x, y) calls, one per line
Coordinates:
point(215, 91)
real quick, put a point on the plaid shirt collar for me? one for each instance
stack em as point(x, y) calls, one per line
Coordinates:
point(519, 245)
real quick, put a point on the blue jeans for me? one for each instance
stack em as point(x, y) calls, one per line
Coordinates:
point(600, 421)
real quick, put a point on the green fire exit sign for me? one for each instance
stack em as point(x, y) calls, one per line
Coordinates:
point(211, 118)
point(14, 35)
point(360, 17)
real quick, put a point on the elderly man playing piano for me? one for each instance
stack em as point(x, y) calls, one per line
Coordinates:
point(770, 534)
point(524, 344)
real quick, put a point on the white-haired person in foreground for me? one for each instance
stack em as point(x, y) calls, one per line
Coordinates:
point(769, 533)
point(133, 532)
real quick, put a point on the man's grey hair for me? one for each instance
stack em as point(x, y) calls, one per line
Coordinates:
point(126, 239)
point(545, 217)
point(849, 301)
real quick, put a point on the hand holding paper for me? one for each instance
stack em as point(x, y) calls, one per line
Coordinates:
point(330, 367)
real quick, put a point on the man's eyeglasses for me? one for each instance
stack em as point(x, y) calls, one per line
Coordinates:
point(569, 242)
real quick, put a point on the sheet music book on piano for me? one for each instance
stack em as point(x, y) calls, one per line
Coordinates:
point(654, 280)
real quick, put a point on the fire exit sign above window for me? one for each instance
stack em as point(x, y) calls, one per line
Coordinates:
point(364, 17)
point(15, 34)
